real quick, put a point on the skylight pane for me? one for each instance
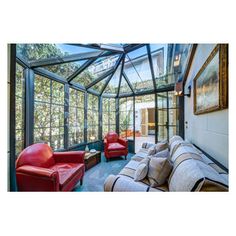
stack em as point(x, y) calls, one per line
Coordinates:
point(137, 69)
point(95, 70)
point(99, 86)
point(34, 52)
point(112, 87)
point(66, 69)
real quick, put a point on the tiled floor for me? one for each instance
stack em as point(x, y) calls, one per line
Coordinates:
point(94, 178)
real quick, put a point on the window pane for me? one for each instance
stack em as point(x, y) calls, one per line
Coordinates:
point(41, 89)
point(41, 115)
point(49, 112)
point(76, 117)
point(162, 133)
point(57, 93)
point(19, 108)
point(126, 117)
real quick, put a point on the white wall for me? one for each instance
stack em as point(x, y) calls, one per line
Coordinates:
point(208, 131)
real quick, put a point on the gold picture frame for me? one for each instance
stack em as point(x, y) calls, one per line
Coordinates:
point(211, 82)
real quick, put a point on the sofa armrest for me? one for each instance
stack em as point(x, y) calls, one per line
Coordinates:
point(120, 183)
point(69, 157)
point(37, 171)
point(122, 141)
point(33, 178)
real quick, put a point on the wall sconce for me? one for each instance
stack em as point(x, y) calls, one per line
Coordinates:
point(177, 60)
point(179, 90)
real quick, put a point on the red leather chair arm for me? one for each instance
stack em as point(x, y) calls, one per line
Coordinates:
point(33, 178)
point(38, 171)
point(105, 144)
point(69, 157)
point(123, 142)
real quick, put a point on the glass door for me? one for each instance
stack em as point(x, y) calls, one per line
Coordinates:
point(168, 113)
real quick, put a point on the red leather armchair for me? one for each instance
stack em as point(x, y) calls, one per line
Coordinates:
point(115, 146)
point(39, 169)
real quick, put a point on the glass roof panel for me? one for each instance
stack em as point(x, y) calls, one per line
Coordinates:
point(159, 53)
point(95, 70)
point(137, 69)
point(124, 87)
point(112, 87)
point(66, 69)
point(99, 86)
point(34, 52)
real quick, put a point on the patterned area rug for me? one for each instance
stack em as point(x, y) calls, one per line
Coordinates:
point(94, 178)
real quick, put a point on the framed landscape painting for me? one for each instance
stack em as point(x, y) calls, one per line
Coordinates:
point(211, 82)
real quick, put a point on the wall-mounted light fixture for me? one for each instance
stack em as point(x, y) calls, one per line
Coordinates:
point(177, 60)
point(179, 90)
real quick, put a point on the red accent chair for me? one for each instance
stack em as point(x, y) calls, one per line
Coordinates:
point(38, 168)
point(115, 146)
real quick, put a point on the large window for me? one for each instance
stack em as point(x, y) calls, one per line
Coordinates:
point(76, 117)
point(109, 115)
point(20, 101)
point(93, 112)
point(49, 112)
point(126, 117)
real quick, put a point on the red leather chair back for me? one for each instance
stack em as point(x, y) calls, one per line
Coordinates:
point(112, 137)
point(38, 154)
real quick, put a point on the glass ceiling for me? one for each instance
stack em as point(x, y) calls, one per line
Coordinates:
point(99, 67)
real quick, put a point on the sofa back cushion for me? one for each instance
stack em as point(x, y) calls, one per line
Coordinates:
point(112, 137)
point(190, 173)
point(157, 148)
point(38, 154)
point(158, 171)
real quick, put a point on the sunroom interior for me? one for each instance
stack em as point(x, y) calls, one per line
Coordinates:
point(70, 96)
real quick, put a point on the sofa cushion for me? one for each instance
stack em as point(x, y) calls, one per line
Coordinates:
point(157, 148)
point(159, 170)
point(142, 169)
point(163, 153)
point(115, 147)
point(191, 174)
point(67, 171)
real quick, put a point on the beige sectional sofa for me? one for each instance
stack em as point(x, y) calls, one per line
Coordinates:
point(192, 171)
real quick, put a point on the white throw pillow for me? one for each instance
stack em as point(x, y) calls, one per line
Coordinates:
point(142, 169)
